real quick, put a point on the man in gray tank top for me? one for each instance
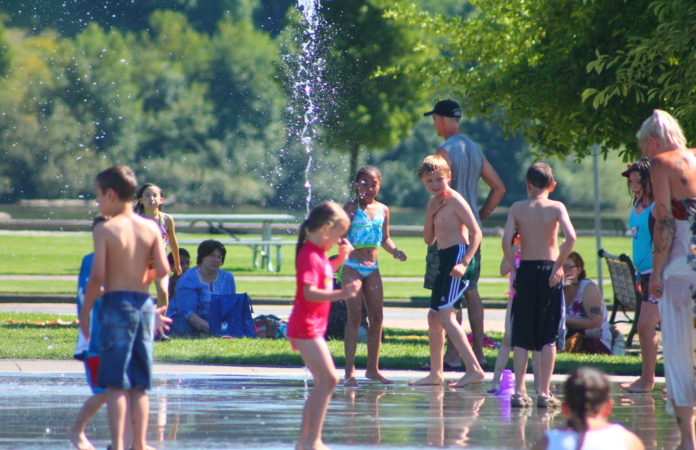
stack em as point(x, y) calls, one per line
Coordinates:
point(468, 165)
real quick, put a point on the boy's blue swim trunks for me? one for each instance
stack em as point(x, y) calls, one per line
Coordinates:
point(127, 322)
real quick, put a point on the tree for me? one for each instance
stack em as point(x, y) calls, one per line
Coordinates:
point(363, 107)
point(525, 63)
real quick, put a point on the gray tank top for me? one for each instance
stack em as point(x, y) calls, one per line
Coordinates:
point(467, 164)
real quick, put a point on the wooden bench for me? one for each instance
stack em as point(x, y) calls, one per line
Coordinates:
point(626, 296)
point(261, 250)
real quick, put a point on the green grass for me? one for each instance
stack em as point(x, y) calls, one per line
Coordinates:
point(61, 255)
point(401, 349)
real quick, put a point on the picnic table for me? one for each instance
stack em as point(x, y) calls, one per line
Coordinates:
point(261, 247)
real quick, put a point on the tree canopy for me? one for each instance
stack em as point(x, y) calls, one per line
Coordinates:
point(566, 74)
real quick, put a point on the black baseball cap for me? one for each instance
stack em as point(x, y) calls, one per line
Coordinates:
point(446, 108)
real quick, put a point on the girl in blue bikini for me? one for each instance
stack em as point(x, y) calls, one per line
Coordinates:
point(369, 230)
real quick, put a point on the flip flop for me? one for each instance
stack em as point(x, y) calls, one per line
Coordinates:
point(548, 401)
point(520, 401)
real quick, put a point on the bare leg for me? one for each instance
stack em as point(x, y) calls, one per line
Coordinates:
point(350, 336)
point(474, 373)
point(316, 356)
point(536, 370)
point(76, 434)
point(116, 405)
point(374, 301)
point(503, 353)
point(546, 365)
point(474, 307)
point(519, 362)
point(451, 357)
point(647, 324)
point(140, 412)
point(685, 421)
point(436, 338)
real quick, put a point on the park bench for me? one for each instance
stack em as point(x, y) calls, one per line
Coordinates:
point(261, 250)
point(626, 295)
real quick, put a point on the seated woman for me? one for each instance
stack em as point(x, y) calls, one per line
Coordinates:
point(586, 315)
point(190, 310)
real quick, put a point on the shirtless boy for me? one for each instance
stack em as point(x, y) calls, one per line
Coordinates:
point(128, 256)
point(537, 307)
point(450, 221)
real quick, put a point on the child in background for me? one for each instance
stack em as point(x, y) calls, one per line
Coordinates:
point(128, 257)
point(537, 309)
point(325, 226)
point(185, 263)
point(88, 353)
point(369, 229)
point(587, 405)
point(641, 223)
point(449, 221)
point(149, 200)
point(504, 350)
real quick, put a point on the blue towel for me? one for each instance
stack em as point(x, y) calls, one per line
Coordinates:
point(230, 315)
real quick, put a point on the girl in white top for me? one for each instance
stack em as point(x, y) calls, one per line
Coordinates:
point(587, 406)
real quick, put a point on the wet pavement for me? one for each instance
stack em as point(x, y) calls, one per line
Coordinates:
point(246, 407)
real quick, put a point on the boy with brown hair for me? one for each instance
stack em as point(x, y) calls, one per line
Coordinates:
point(537, 307)
point(128, 256)
point(450, 221)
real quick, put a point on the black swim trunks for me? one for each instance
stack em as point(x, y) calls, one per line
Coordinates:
point(447, 291)
point(537, 307)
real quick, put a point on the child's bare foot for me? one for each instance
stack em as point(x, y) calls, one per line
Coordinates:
point(467, 379)
point(377, 376)
point(79, 440)
point(639, 386)
point(350, 382)
point(430, 380)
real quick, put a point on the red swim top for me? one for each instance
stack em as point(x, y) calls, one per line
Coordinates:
point(308, 320)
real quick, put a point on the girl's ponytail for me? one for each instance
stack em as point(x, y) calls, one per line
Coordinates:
point(325, 213)
point(586, 390)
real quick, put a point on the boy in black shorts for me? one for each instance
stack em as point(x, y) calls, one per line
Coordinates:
point(448, 220)
point(537, 308)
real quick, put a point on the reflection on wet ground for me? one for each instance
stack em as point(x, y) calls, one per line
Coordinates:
point(241, 412)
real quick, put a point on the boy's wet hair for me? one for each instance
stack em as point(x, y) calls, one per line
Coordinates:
point(433, 163)
point(540, 175)
point(207, 247)
point(120, 179)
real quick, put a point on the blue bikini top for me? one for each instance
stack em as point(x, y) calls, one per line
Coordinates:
point(365, 232)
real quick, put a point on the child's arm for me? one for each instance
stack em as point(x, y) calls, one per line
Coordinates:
point(434, 205)
point(159, 258)
point(565, 248)
point(95, 284)
point(508, 253)
point(505, 268)
point(463, 211)
point(344, 250)
point(387, 242)
point(314, 294)
point(174, 244)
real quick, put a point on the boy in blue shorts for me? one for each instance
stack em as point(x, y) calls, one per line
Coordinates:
point(450, 221)
point(537, 309)
point(128, 257)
